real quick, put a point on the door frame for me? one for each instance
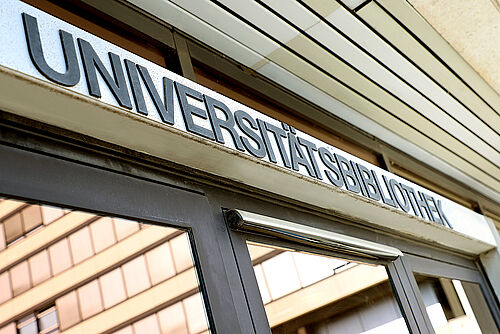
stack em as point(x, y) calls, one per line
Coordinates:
point(438, 268)
point(40, 178)
point(68, 170)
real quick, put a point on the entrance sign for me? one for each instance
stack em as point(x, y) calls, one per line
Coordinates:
point(47, 48)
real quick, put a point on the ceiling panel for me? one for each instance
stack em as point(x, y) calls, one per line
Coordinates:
point(192, 25)
point(384, 53)
point(218, 18)
point(400, 124)
point(483, 142)
point(328, 53)
point(310, 50)
point(380, 20)
point(407, 15)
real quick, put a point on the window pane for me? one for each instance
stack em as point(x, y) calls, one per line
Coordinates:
point(454, 306)
point(32, 217)
point(47, 320)
point(124, 228)
point(173, 320)
point(5, 288)
point(103, 235)
point(13, 227)
point(60, 256)
point(113, 288)
point(160, 263)
point(3, 241)
point(68, 311)
point(20, 278)
point(181, 252)
point(125, 330)
point(310, 293)
point(9, 329)
point(90, 299)
point(261, 281)
point(27, 325)
point(147, 325)
point(101, 274)
point(50, 214)
point(81, 245)
point(195, 313)
point(39, 267)
point(136, 276)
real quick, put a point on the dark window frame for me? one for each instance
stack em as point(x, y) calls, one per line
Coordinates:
point(238, 308)
point(41, 164)
point(436, 268)
point(36, 177)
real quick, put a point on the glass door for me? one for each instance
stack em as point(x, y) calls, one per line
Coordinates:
point(454, 298)
point(87, 249)
point(306, 293)
point(71, 271)
point(314, 281)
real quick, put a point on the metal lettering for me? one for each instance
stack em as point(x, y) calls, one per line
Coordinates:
point(218, 124)
point(72, 75)
point(240, 116)
point(93, 64)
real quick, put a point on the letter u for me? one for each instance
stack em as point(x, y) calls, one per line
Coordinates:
point(72, 75)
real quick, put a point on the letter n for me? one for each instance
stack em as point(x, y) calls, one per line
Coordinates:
point(116, 83)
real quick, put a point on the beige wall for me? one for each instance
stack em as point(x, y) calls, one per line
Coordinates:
point(472, 27)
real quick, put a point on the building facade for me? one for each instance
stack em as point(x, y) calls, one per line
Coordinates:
point(243, 167)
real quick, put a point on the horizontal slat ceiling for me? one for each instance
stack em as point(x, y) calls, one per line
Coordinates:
point(333, 53)
point(403, 12)
point(381, 21)
point(410, 74)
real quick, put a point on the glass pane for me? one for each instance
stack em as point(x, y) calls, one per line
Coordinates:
point(90, 299)
point(96, 274)
point(136, 276)
point(47, 320)
point(27, 325)
point(13, 227)
point(50, 214)
point(39, 267)
point(103, 234)
point(113, 288)
point(32, 217)
point(60, 256)
point(3, 241)
point(81, 245)
point(173, 319)
point(67, 309)
point(147, 325)
point(315, 294)
point(20, 278)
point(454, 306)
point(160, 263)
point(5, 288)
point(9, 329)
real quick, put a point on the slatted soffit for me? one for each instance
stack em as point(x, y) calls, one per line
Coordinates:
point(380, 67)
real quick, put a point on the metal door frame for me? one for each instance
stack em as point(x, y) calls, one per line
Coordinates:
point(46, 179)
point(78, 173)
point(437, 268)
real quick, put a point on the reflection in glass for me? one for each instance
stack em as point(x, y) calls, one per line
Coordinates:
point(314, 294)
point(113, 288)
point(47, 321)
point(94, 274)
point(455, 307)
point(44, 322)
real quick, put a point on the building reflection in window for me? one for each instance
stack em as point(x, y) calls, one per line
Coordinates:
point(307, 293)
point(455, 307)
point(76, 272)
